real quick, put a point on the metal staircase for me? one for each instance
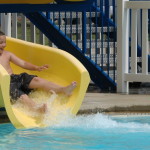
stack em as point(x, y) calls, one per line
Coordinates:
point(63, 42)
point(89, 35)
point(85, 29)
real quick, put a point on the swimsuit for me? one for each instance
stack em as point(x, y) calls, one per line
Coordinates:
point(19, 85)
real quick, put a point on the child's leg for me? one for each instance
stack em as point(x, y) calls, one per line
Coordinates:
point(24, 99)
point(37, 82)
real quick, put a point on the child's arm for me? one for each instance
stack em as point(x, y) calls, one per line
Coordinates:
point(26, 65)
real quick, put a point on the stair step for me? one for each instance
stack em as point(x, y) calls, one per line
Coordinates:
point(97, 74)
point(93, 44)
point(72, 15)
point(78, 29)
point(105, 58)
point(99, 44)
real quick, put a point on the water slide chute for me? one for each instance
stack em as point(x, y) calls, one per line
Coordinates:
point(64, 68)
point(33, 1)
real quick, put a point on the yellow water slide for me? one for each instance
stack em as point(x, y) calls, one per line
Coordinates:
point(64, 68)
point(32, 1)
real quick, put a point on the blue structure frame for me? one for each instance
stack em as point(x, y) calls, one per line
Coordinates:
point(61, 6)
point(63, 42)
point(32, 11)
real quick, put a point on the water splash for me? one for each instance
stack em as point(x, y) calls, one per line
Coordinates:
point(59, 116)
point(56, 107)
point(39, 97)
point(99, 121)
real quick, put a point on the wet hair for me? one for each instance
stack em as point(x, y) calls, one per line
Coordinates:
point(2, 33)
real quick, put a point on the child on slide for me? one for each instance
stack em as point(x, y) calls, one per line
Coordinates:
point(22, 84)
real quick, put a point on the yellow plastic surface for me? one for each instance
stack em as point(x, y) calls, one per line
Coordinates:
point(25, 1)
point(64, 68)
point(31, 1)
point(74, 0)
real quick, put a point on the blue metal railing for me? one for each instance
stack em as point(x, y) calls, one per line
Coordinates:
point(93, 31)
point(89, 34)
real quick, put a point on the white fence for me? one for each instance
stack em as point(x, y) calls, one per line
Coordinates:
point(17, 26)
point(124, 74)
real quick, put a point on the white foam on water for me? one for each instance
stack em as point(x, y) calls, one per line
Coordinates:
point(98, 121)
point(59, 115)
point(55, 108)
point(39, 97)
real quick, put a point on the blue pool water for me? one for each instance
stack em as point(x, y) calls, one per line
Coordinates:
point(92, 132)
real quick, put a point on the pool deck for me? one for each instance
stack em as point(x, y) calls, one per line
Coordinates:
point(115, 103)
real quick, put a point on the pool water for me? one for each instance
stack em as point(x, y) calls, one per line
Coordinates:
point(92, 132)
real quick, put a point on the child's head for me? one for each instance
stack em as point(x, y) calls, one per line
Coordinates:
point(2, 41)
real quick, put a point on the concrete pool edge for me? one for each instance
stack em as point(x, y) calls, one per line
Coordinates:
point(117, 110)
point(115, 103)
